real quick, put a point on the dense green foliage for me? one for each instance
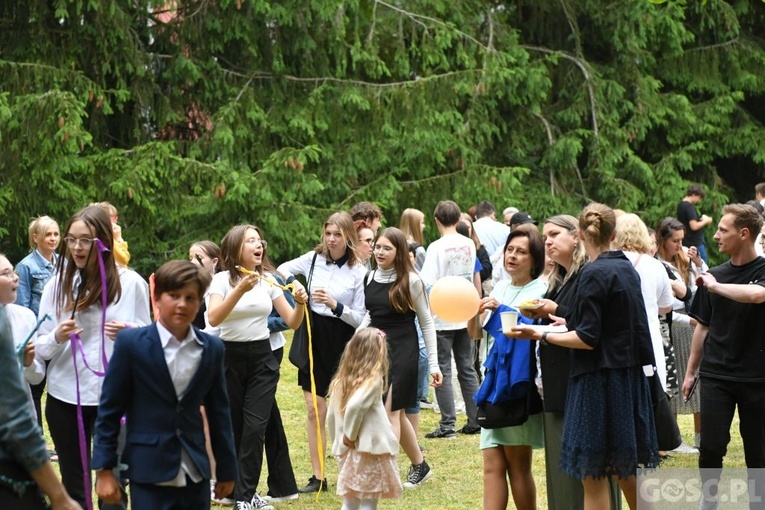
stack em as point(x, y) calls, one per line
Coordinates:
point(195, 118)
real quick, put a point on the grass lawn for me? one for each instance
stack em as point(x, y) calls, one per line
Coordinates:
point(457, 464)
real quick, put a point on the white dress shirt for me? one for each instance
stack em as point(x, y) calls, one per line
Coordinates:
point(182, 358)
point(22, 321)
point(344, 283)
point(132, 308)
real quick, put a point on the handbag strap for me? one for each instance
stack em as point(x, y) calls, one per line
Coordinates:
point(310, 274)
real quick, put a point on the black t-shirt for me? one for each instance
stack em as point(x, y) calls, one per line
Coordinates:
point(734, 349)
point(686, 212)
point(610, 316)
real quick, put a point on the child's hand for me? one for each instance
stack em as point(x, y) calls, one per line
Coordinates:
point(116, 231)
point(29, 354)
point(347, 442)
point(107, 487)
point(223, 489)
point(438, 379)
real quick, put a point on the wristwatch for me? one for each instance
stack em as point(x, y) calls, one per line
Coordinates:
point(543, 340)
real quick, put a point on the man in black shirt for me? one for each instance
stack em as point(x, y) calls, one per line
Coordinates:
point(731, 317)
point(689, 217)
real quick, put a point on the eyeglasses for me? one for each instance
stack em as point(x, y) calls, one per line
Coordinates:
point(384, 249)
point(10, 274)
point(370, 242)
point(519, 252)
point(252, 240)
point(72, 242)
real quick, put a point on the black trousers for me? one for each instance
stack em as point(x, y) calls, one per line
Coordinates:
point(194, 496)
point(281, 477)
point(719, 400)
point(31, 499)
point(62, 424)
point(252, 373)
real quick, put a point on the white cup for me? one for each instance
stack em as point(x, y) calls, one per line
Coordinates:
point(509, 321)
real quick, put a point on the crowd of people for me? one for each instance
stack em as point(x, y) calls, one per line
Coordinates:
point(167, 389)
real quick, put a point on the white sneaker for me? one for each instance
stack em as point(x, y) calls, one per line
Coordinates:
point(221, 501)
point(280, 499)
point(684, 448)
point(258, 503)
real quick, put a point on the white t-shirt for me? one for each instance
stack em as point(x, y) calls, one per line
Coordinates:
point(133, 308)
point(657, 293)
point(248, 320)
point(451, 255)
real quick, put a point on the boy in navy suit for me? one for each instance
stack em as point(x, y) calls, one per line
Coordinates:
point(158, 377)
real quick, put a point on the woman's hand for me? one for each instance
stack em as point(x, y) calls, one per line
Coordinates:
point(29, 354)
point(299, 293)
point(65, 329)
point(693, 254)
point(525, 333)
point(113, 327)
point(557, 321)
point(248, 282)
point(488, 303)
point(541, 312)
point(321, 295)
point(438, 379)
point(347, 442)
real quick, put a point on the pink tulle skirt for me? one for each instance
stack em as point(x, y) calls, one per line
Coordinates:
point(368, 476)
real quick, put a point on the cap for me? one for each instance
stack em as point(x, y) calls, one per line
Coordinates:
point(520, 218)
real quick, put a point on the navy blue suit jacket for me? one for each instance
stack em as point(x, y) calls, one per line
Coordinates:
point(138, 385)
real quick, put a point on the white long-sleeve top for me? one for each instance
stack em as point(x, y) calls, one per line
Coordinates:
point(132, 308)
point(421, 308)
point(344, 283)
point(22, 322)
point(364, 422)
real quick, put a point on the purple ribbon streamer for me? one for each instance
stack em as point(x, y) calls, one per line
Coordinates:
point(77, 345)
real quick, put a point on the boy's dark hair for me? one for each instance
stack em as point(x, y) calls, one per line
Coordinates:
point(447, 213)
point(176, 274)
point(365, 211)
point(695, 190)
point(484, 208)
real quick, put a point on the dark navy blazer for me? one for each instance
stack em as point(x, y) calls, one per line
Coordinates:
point(138, 386)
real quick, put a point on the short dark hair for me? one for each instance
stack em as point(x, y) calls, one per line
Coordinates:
point(484, 208)
point(695, 190)
point(447, 213)
point(760, 188)
point(176, 274)
point(536, 249)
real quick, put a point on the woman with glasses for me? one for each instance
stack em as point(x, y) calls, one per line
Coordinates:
point(507, 451)
point(337, 307)
point(241, 299)
point(366, 243)
point(394, 296)
point(78, 338)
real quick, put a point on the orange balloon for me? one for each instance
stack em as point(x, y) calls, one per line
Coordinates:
point(454, 299)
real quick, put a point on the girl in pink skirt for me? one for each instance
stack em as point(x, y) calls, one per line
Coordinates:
point(362, 437)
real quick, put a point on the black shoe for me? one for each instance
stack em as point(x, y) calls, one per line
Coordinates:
point(440, 433)
point(313, 485)
point(470, 430)
point(417, 475)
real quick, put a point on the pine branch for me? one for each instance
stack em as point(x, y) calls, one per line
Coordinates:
point(418, 17)
point(550, 141)
point(587, 79)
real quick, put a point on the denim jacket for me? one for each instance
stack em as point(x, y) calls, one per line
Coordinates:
point(20, 437)
point(34, 272)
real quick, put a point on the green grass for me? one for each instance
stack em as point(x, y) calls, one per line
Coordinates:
point(457, 464)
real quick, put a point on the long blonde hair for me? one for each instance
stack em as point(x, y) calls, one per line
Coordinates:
point(410, 224)
point(364, 362)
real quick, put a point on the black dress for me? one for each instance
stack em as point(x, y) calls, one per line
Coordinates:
point(403, 347)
